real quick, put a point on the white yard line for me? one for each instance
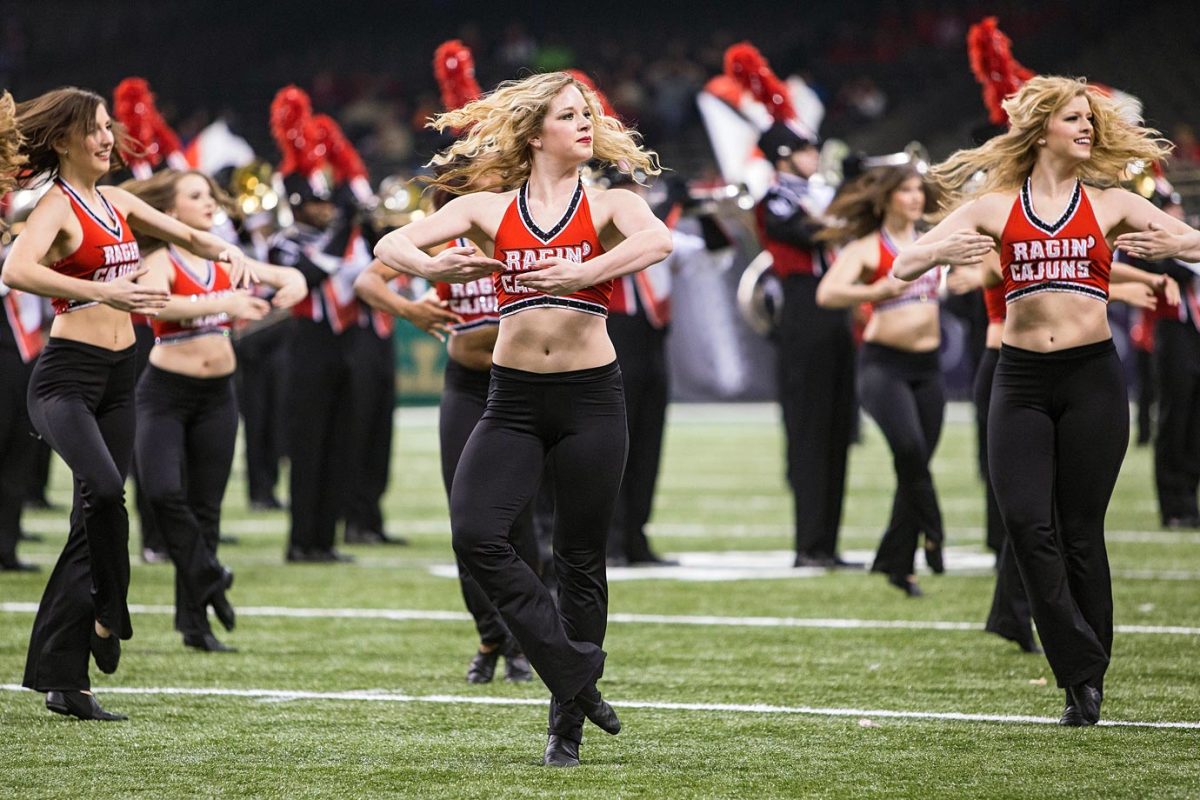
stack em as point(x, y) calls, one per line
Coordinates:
point(380, 696)
point(411, 614)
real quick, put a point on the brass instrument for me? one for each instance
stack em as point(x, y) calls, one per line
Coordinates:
point(254, 191)
point(760, 295)
point(400, 200)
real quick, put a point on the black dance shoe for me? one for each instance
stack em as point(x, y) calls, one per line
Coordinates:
point(909, 586)
point(207, 642)
point(560, 752)
point(483, 666)
point(1071, 717)
point(81, 705)
point(597, 710)
point(934, 557)
point(15, 565)
point(1087, 699)
point(266, 504)
point(220, 603)
point(106, 651)
point(357, 535)
point(30, 537)
point(517, 668)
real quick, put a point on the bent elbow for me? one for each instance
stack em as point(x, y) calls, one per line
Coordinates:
point(665, 245)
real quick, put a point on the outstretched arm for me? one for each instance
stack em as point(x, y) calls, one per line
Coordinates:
point(1149, 232)
point(24, 268)
point(955, 241)
point(403, 250)
point(147, 219)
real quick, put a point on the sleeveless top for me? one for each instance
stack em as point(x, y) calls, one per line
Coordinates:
point(921, 290)
point(520, 244)
point(475, 302)
point(108, 250)
point(189, 284)
point(1069, 255)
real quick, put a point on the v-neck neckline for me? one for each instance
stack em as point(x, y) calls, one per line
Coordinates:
point(527, 216)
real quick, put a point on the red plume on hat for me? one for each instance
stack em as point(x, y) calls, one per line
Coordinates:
point(746, 65)
point(454, 68)
point(586, 80)
point(992, 62)
point(291, 111)
point(348, 167)
point(134, 108)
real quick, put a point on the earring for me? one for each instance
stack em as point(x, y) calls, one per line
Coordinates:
point(1041, 142)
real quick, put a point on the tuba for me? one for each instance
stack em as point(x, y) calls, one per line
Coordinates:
point(760, 295)
point(399, 201)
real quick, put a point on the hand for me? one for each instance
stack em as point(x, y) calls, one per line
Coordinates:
point(888, 287)
point(242, 305)
point(1137, 295)
point(963, 248)
point(241, 272)
point(1153, 244)
point(461, 265)
point(556, 276)
point(1169, 290)
point(291, 290)
point(432, 316)
point(126, 294)
point(962, 281)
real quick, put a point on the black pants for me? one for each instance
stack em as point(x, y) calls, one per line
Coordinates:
point(373, 401)
point(903, 393)
point(185, 439)
point(320, 402)
point(152, 536)
point(261, 384)
point(816, 393)
point(464, 397)
point(81, 402)
point(577, 421)
point(1009, 616)
point(641, 352)
point(16, 448)
point(1177, 445)
point(1057, 433)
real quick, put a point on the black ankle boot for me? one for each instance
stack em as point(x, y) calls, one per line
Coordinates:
point(1086, 698)
point(561, 752)
point(597, 710)
point(483, 666)
point(80, 705)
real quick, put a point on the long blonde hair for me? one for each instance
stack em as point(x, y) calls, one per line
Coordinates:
point(499, 125)
point(1118, 138)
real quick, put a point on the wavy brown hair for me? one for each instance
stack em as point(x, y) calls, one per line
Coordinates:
point(159, 191)
point(861, 204)
point(500, 124)
point(45, 121)
point(1118, 138)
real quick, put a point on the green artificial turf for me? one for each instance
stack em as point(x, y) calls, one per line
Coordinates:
point(427, 733)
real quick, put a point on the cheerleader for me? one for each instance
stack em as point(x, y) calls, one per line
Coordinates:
point(1058, 424)
point(899, 381)
point(187, 412)
point(555, 389)
point(463, 315)
point(78, 248)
